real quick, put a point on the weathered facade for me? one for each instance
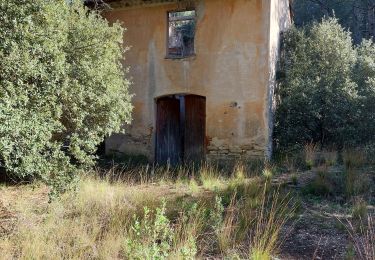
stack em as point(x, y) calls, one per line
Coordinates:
point(215, 97)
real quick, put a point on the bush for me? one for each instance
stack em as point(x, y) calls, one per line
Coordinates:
point(149, 238)
point(156, 237)
point(63, 88)
point(326, 95)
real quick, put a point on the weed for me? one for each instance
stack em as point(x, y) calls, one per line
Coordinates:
point(321, 185)
point(267, 173)
point(364, 239)
point(310, 154)
point(359, 211)
point(329, 157)
point(294, 179)
point(193, 185)
point(189, 226)
point(269, 223)
point(354, 158)
point(210, 177)
point(216, 214)
point(227, 232)
point(356, 183)
point(149, 238)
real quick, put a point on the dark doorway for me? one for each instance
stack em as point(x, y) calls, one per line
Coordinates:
point(180, 129)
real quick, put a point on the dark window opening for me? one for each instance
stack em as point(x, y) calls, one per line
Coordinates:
point(181, 33)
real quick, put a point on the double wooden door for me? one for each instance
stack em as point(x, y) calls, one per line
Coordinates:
point(180, 129)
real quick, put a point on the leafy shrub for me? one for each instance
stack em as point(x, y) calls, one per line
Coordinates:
point(63, 88)
point(189, 227)
point(156, 237)
point(217, 213)
point(149, 238)
point(327, 94)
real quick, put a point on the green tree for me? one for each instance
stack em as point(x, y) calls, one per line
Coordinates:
point(316, 96)
point(364, 75)
point(63, 88)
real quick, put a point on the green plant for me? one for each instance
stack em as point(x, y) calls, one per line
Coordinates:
point(348, 12)
point(356, 183)
point(149, 238)
point(327, 93)
point(350, 253)
point(270, 220)
point(193, 185)
point(63, 88)
point(226, 233)
point(321, 185)
point(217, 213)
point(310, 151)
point(295, 179)
point(267, 173)
point(189, 227)
point(210, 177)
point(354, 158)
point(359, 211)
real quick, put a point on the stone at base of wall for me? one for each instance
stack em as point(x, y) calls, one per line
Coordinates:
point(212, 157)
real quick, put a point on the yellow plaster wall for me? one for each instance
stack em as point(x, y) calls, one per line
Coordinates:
point(231, 69)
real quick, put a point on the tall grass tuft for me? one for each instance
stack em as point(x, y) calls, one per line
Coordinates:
point(210, 177)
point(310, 152)
point(364, 239)
point(354, 158)
point(270, 220)
point(226, 232)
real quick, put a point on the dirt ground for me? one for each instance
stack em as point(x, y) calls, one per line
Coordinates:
point(316, 235)
point(321, 230)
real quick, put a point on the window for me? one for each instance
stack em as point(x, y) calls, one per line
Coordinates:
point(181, 32)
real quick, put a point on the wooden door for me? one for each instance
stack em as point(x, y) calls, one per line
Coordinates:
point(168, 131)
point(194, 128)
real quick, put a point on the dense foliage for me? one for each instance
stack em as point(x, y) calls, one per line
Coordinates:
point(63, 88)
point(356, 15)
point(328, 93)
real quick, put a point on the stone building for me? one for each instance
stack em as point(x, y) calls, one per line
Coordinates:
point(203, 76)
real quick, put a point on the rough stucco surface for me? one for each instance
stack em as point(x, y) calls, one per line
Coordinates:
point(233, 68)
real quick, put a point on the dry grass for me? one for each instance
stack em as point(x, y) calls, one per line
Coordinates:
point(226, 233)
point(363, 238)
point(270, 220)
point(98, 221)
point(310, 154)
point(354, 158)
